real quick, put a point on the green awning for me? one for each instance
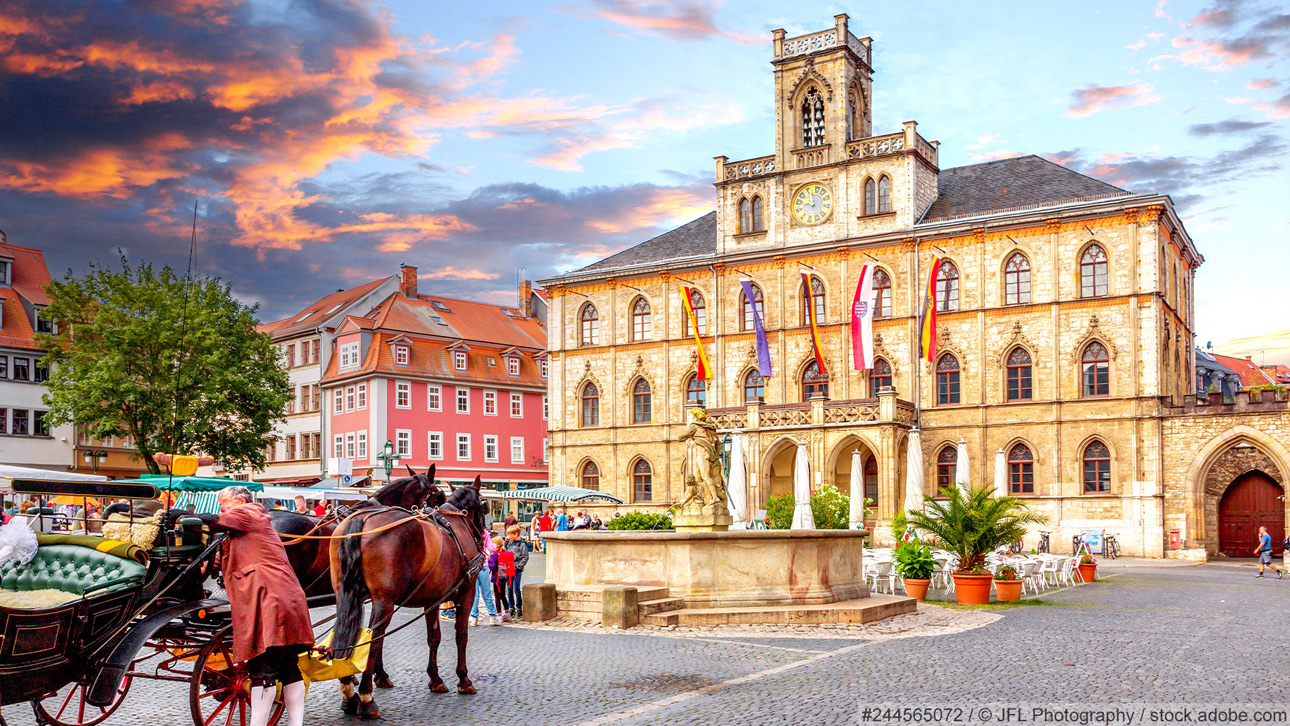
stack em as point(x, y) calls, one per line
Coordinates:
point(559, 494)
point(165, 482)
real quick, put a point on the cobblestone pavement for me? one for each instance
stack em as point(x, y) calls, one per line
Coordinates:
point(1179, 635)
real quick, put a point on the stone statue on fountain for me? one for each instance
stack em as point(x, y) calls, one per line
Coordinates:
point(704, 506)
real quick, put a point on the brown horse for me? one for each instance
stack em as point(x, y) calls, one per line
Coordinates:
point(409, 562)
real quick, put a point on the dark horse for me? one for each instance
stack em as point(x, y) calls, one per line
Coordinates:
point(408, 563)
point(310, 558)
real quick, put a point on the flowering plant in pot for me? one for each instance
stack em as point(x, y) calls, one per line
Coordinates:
point(972, 522)
point(915, 564)
point(1087, 567)
point(1007, 586)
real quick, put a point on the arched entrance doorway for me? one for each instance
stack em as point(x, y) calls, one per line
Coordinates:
point(1253, 500)
point(777, 478)
point(842, 459)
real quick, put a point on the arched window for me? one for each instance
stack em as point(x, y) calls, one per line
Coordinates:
point(1097, 370)
point(813, 118)
point(1092, 272)
point(1016, 280)
point(746, 309)
point(871, 480)
point(947, 380)
point(947, 464)
point(754, 388)
point(700, 312)
point(745, 216)
point(870, 196)
point(758, 215)
point(642, 482)
point(814, 383)
point(816, 299)
point(590, 405)
point(1097, 468)
point(591, 476)
point(881, 293)
point(1021, 470)
point(853, 122)
point(947, 287)
point(696, 391)
point(641, 402)
point(589, 330)
point(1019, 388)
point(879, 377)
point(640, 319)
point(884, 194)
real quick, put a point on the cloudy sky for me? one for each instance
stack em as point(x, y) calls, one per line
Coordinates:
point(327, 141)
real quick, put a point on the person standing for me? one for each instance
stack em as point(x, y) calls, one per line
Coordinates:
point(502, 577)
point(521, 551)
point(484, 587)
point(302, 507)
point(562, 521)
point(1264, 551)
point(271, 625)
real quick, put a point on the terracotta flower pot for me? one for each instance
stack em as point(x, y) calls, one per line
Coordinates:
point(916, 588)
point(1087, 573)
point(1007, 590)
point(972, 589)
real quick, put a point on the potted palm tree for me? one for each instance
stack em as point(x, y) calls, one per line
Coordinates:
point(972, 522)
point(915, 564)
point(1007, 587)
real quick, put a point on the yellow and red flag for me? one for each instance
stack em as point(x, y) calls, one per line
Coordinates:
point(704, 372)
point(810, 314)
point(927, 335)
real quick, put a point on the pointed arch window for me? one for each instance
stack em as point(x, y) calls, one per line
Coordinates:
point(642, 482)
point(1021, 470)
point(947, 380)
point(947, 287)
point(947, 462)
point(815, 298)
point(642, 402)
point(1019, 381)
point(1096, 370)
point(1093, 272)
point(814, 383)
point(813, 118)
point(1016, 280)
point(1097, 468)
point(870, 196)
point(745, 215)
point(696, 391)
point(589, 326)
point(884, 194)
point(879, 377)
point(754, 388)
point(700, 312)
point(758, 214)
point(590, 405)
point(881, 293)
point(746, 309)
point(591, 476)
point(640, 319)
point(853, 122)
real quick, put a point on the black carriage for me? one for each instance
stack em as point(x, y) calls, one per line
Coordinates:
point(130, 615)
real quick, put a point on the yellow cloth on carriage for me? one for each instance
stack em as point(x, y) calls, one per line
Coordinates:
point(316, 666)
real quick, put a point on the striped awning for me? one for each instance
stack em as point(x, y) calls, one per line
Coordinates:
point(202, 502)
point(559, 494)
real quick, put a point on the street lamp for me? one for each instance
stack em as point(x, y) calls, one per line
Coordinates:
point(94, 457)
point(726, 444)
point(387, 457)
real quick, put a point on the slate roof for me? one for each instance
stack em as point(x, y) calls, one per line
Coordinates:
point(1025, 181)
point(692, 238)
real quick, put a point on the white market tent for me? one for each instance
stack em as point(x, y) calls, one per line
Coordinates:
point(348, 494)
point(9, 472)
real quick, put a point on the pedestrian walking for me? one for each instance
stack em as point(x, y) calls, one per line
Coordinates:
point(271, 625)
point(1264, 551)
point(484, 589)
point(521, 558)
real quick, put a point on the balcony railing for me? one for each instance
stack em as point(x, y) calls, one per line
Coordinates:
point(750, 168)
point(818, 412)
point(823, 40)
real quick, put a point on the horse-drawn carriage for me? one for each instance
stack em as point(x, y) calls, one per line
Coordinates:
point(97, 617)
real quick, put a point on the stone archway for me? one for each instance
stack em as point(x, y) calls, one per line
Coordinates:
point(1219, 464)
point(777, 471)
point(839, 470)
point(1252, 500)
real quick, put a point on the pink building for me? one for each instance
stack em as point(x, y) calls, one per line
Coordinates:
point(454, 383)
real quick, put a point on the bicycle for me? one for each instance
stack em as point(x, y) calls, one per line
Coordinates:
point(1043, 541)
point(1112, 546)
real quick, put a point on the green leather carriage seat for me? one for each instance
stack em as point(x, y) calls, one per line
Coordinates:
point(72, 569)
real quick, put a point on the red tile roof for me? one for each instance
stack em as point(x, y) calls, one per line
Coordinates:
point(1280, 373)
point(314, 315)
point(463, 319)
point(30, 273)
point(431, 359)
point(1248, 370)
point(15, 328)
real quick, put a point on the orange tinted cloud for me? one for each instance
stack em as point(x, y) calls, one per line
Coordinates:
point(452, 273)
point(1091, 99)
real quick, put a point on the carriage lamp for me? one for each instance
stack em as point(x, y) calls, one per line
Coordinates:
point(387, 457)
point(726, 443)
point(94, 457)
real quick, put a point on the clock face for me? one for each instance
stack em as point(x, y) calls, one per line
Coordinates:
point(812, 204)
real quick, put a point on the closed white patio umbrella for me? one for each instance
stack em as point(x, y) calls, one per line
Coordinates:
point(914, 473)
point(803, 517)
point(855, 517)
point(737, 484)
point(1000, 475)
point(962, 477)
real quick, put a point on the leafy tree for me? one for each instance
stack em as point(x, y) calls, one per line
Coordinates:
point(175, 363)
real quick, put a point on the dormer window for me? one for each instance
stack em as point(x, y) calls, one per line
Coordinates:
point(459, 360)
point(43, 324)
point(401, 355)
point(513, 366)
point(542, 368)
point(5, 267)
point(348, 356)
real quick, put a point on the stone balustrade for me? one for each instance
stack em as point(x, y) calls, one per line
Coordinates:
point(749, 168)
point(886, 408)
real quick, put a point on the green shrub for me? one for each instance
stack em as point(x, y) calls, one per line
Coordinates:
point(779, 512)
point(641, 520)
point(830, 507)
point(914, 560)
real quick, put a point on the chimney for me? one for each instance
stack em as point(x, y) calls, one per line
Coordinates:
point(408, 283)
point(526, 298)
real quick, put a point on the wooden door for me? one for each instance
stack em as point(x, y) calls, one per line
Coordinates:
point(1252, 501)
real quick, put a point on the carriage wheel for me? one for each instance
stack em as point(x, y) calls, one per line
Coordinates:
point(67, 706)
point(220, 691)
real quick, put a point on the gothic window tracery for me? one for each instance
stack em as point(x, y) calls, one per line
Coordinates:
point(813, 118)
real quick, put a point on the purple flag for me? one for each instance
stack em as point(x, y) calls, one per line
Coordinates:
point(763, 348)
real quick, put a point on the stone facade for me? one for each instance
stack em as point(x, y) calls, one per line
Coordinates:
point(1143, 319)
